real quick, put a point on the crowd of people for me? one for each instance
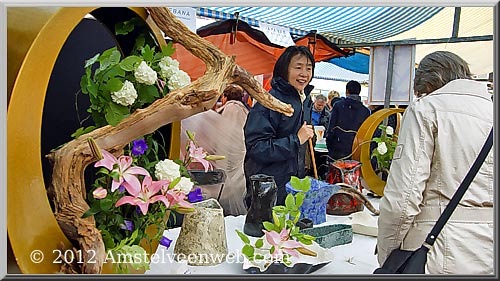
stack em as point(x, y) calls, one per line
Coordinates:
point(441, 132)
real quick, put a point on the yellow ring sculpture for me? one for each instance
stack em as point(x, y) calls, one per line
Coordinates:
point(32, 228)
point(364, 134)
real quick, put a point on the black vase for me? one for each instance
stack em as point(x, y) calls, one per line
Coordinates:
point(264, 193)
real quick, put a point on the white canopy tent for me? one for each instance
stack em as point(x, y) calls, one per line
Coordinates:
point(474, 21)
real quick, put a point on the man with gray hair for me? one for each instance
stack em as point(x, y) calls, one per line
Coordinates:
point(320, 114)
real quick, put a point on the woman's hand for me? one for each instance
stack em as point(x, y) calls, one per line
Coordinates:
point(305, 132)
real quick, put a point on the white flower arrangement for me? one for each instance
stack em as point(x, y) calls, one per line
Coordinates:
point(168, 66)
point(167, 170)
point(145, 74)
point(382, 148)
point(185, 185)
point(386, 144)
point(178, 80)
point(389, 131)
point(126, 95)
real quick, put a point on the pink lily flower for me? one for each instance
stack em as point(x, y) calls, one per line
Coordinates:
point(100, 193)
point(198, 155)
point(176, 198)
point(282, 243)
point(144, 195)
point(122, 166)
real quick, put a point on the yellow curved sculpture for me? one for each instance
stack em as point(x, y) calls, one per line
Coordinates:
point(31, 224)
point(362, 154)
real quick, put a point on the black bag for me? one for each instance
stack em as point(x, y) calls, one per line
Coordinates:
point(405, 262)
point(413, 262)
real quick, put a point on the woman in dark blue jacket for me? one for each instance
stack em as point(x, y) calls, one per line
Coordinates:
point(276, 144)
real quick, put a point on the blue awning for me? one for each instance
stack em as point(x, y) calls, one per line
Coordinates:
point(339, 24)
point(358, 62)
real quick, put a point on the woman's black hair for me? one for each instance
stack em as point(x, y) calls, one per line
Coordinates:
point(281, 66)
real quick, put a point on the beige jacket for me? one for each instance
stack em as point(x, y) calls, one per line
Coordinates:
point(441, 135)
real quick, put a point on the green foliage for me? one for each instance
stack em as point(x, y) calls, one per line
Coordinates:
point(106, 73)
point(390, 140)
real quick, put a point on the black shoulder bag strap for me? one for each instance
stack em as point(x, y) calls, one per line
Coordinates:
point(431, 237)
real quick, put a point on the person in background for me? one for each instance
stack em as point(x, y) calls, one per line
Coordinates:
point(276, 144)
point(320, 114)
point(333, 97)
point(345, 119)
point(441, 134)
point(234, 114)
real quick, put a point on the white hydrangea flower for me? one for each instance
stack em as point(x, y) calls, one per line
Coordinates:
point(167, 170)
point(389, 131)
point(382, 148)
point(145, 74)
point(185, 185)
point(178, 80)
point(168, 67)
point(126, 95)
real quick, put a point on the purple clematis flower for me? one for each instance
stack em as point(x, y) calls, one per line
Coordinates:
point(127, 225)
point(195, 195)
point(139, 147)
point(164, 241)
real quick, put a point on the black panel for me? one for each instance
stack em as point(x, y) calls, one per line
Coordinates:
point(63, 96)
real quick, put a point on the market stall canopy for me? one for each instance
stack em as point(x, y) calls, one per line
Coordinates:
point(330, 71)
point(358, 63)
point(251, 48)
point(338, 24)
point(474, 21)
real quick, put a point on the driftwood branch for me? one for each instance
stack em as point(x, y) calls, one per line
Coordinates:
point(70, 161)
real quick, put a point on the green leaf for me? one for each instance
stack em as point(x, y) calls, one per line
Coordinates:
point(259, 257)
point(105, 204)
point(92, 89)
point(115, 113)
point(168, 50)
point(299, 199)
point(92, 211)
point(82, 131)
point(115, 175)
point(272, 249)
point(109, 58)
point(290, 201)
point(276, 219)
point(139, 42)
point(130, 63)
point(280, 209)
point(114, 85)
point(123, 28)
point(147, 53)
point(174, 182)
point(138, 255)
point(268, 226)
point(91, 61)
point(147, 93)
point(243, 237)
point(259, 243)
point(109, 243)
point(248, 250)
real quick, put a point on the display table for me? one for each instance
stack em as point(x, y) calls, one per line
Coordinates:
point(356, 257)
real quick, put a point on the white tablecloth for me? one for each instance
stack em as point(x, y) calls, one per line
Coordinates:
point(356, 257)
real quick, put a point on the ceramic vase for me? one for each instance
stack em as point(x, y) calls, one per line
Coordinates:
point(264, 194)
point(345, 171)
point(314, 206)
point(202, 239)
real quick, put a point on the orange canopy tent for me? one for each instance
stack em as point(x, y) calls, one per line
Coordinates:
point(251, 48)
